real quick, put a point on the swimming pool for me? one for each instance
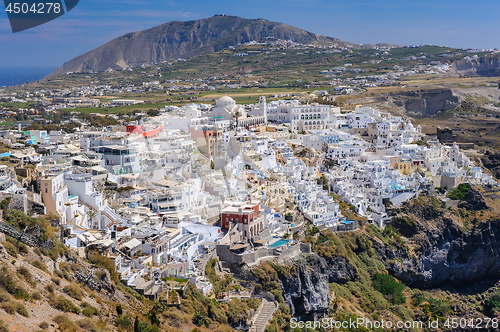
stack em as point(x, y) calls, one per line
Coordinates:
point(278, 243)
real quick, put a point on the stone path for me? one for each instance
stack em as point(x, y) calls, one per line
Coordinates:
point(264, 314)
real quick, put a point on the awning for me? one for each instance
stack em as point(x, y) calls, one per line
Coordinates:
point(239, 246)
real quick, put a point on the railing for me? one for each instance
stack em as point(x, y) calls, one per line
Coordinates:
point(26, 239)
point(260, 327)
point(88, 279)
point(112, 213)
point(205, 261)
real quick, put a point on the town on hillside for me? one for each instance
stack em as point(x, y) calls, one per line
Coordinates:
point(162, 193)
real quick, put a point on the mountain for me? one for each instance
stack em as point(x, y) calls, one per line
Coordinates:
point(177, 39)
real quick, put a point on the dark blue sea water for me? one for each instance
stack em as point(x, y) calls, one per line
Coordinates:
point(18, 75)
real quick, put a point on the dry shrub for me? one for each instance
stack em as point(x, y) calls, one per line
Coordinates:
point(9, 307)
point(39, 265)
point(26, 274)
point(177, 317)
point(12, 307)
point(89, 310)
point(64, 304)
point(74, 291)
point(56, 281)
point(89, 325)
point(8, 283)
point(65, 324)
point(4, 297)
point(50, 288)
point(22, 248)
point(21, 309)
point(36, 296)
point(3, 327)
point(10, 248)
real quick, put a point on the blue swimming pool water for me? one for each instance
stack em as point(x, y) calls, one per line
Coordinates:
point(279, 243)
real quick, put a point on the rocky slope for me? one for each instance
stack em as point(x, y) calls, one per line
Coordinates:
point(177, 39)
point(416, 103)
point(492, 162)
point(306, 291)
point(40, 290)
point(47, 284)
point(425, 102)
point(488, 66)
point(444, 260)
point(449, 249)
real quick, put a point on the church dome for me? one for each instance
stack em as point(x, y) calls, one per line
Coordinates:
point(409, 126)
point(226, 102)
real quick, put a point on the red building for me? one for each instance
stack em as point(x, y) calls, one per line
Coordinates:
point(246, 216)
point(148, 131)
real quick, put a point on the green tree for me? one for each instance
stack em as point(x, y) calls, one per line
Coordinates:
point(389, 286)
point(154, 318)
point(91, 214)
point(237, 116)
point(136, 325)
point(199, 319)
point(492, 305)
point(153, 112)
point(119, 310)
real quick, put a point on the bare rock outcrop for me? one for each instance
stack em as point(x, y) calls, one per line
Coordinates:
point(446, 252)
point(473, 201)
point(424, 102)
point(488, 66)
point(306, 292)
point(105, 281)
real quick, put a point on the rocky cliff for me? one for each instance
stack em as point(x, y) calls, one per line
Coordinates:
point(447, 248)
point(425, 102)
point(340, 269)
point(484, 66)
point(492, 162)
point(306, 291)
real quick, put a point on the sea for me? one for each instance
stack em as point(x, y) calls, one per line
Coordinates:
point(10, 76)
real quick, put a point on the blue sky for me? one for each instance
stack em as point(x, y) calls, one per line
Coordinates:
point(94, 22)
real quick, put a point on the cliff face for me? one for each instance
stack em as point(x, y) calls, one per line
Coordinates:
point(340, 270)
point(447, 252)
point(488, 66)
point(492, 162)
point(306, 292)
point(450, 256)
point(422, 103)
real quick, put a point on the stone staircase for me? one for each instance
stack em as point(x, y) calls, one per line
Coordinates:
point(264, 314)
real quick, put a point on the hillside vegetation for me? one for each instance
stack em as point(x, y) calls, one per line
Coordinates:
point(39, 289)
point(375, 275)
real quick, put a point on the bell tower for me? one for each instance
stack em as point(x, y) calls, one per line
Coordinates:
point(263, 107)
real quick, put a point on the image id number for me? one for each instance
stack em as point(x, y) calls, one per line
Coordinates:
point(36, 8)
